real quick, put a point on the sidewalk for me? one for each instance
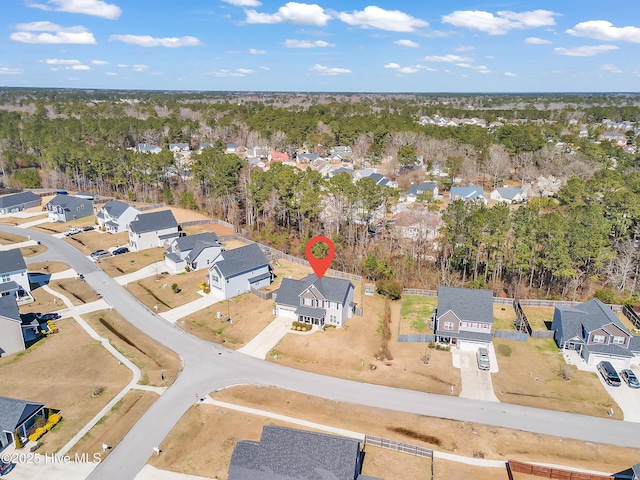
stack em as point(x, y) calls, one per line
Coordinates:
point(34, 223)
point(11, 246)
point(177, 313)
point(268, 338)
point(144, 272)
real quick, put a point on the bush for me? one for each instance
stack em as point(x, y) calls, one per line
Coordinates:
point(175, 288)
point(300, 326)
point(390, 289)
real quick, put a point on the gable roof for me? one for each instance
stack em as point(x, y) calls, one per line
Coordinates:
point(379, 178)
point(418, 188)
point(240, 260)
point(153, 221)
point(13, 412)
point(469, 193)
point(7, 201)
point(9, 308)
point(12, 261)
point(195, 244)
point(68, 202)
point(333, 289)
point(509, 193)
point(466, 303)
point(589, 316)
point(115, 208)
point(292, 454)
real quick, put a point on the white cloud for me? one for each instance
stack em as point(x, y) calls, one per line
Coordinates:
point(479, 68)
point(140, 68)
point(500, 23)
point(111, 74)
point(61, 61)
point(446, 58)
point(149, 41)
point(243, 3)
point(78, 67)
point(307, 44)
point(96, 8)
point(464, 48)
point(510, 74)
point(323, 70)
point(99, 62)
point(292, 12)
point(603, 30)
point(538, 41)
point(122, 65)
point(77, 34)
point(585, 50)
point(255, 51)
point(264, 68)
point(407, 43)
point(376, 17)
point(238, 72)
point(612, 68)
point(392, 65)
point(5, 70)
point(408, 70)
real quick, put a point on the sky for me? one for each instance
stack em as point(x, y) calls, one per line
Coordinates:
point(331, 46)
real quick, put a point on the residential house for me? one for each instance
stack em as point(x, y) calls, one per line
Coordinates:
point(179, 147)
point(468, 194)
point(14, 279)
point(464, 317)
point(416, 225)
point(18, 202)
point(376, 177)
point(239, 270)
point(193, 251)
point(231, 148)
point(340, 170)
point(115, 216)
point(636, 471)
point(417, 189)
point(148, 148)
point(278, 157)
point(18, 416)
point(584, 133)
point(508, 195)
point(288, 453)
point(322, 166)
point(617, 138)
point(596, 333)
point(153, 229)
point(307, 157)
point(343, 152)
point(317, 301)
point(204, 145)
point(11, 337)
point(64, 208)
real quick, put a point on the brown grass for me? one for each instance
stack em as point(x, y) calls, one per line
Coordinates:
point(44, 302)
point(132, 261)
point(286, 269)
point(57, 227)
point(9, 238)
point(416, 312)
point(219, 230)
point(63, 371)
point(250, 316)
point(503, 317)
point(93, 240)
point(20, 221)
point(627, 323)
point(147, 354)
point(114, 425)
point(461, 471)
point(391, 465)
point(48, 267)
point(538, 315)
point(530, 376)
point(33, 250)
point(76, 290)
point(151, 290)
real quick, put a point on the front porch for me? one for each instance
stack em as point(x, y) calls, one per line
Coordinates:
point(314, 316)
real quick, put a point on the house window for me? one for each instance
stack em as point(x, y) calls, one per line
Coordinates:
point(448, 326)
point(619, 340)
point(598, 339)
point(5, 278)
point(333, 319)
point(214, 278)
point(474, 325)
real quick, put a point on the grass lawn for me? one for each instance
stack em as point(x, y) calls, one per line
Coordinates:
point(250, 316)
point(68, 371)
point(131, 262)
point(416, 313)
point(20, 220)
point(530, 375)
point(286, 269)
point(503, 317)
point(9, 238)
point(112, 428)
point(538, 315)
point(93, 240)
point(44, 302)
point(627, 323)
point(76, 290)
point(47, 267)
point(219, 230)
point(158, 291)
point(147, 354)
point(33, 250)
point(348, 352)
point(58, 227)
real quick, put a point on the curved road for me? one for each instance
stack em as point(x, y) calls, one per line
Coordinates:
point(208, 367)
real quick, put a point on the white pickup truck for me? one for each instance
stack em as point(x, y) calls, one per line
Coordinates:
point(72, 231)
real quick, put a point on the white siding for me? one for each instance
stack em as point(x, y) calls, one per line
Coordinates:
point(11, 339)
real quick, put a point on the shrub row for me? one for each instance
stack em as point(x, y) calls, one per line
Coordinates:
point(300, 326)
point(53, 419)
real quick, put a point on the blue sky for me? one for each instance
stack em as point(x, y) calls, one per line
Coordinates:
point(385, 46)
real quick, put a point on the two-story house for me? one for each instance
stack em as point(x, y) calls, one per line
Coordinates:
point(193, 251)
point(417, 189)
point(18, 202)
point(596, 333)
point(11, 333)
point(115, 216)
point(150, 230)
point(64, 208)
point(14, 279)
point(239, 270)
point(464, 317)
point(316, 301)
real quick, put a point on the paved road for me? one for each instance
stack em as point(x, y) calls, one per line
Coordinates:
point(208, 367)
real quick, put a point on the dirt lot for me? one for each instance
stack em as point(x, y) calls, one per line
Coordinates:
point(33, 250)
point(149, 356)
point(219, 230)
point(47, 267)
point(68, 371)
point(416, 313)
point(460, 471)
point(9, 238)
point(348, 352)
point(157, 291)
point(250, 316)
point(538, 315)
point(76, 290)
point(530, 375)
point(114, 426)
point(93, 240)
point(44, 302)
point(130, 262)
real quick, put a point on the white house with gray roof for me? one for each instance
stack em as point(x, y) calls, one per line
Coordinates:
point(316, 301)
point(18, 202)
point(14, 279)
point(64, 208)
point(193, 251)
point(508, 195)
point(154, 229)
point(596, 333)
point(115, 216)
point(464, 317)
point(11, 336)
point(20, 416)
point(417, 189)
point(239, 270)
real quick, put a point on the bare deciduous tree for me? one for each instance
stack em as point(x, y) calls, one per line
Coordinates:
point(497, 163)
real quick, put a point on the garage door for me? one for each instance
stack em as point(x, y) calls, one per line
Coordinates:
point(471, 346)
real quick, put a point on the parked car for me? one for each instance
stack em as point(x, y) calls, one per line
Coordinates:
point(609, 374)
point(62, 192)
point(630, 378)
point(88, 228)
point(482, 356)
point(48, 316)
point(99, 254)
point(72, 231)
point(5, 467)
point(120, 251)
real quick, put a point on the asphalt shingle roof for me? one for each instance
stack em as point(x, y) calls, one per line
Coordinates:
point(333, 289)
point(153, 221)
point(67, 202)
point(18, 199)
point(12, 261)
point(466, 303)
point(115, 208)
point(240, 260)
point(9, 308)
point(418, 188)
point(509, 192)
point(13, 412)
point(8, 287)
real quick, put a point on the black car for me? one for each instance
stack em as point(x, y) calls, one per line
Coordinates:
point(48, 316)
point(120, 251)
point(630, 378)
point(5, 467)
point(609, 374)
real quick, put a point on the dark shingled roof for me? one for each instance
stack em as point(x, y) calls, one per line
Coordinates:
point(240, 260)
point(333, 289)
point(418, 188)
point(18, 199)
point(153, 221)
point(67, 202)
point(292, 454)
point(12, 261)
point(9, 308)
point(466, 303)
point(8, 286)
point(115, 208)
point(13, 412)
point(634, 343)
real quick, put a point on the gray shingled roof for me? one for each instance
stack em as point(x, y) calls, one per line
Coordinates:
point(289, 292)
point(333, 289)
point(188, 242)
point(469, 193)
point(115, 208)
point(8, 287)
point(292, 454)
point(67, 202)
point(466, 303)
point(418, 188)
point(240, 260)
point(310, 312)
point(9, 308)
point(13, 412)
point(153, 221)
point(18, 199)
point(509, 193)
point(634, 343)
point(12, 261)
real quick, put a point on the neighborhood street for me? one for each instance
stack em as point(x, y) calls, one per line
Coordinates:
point(208, 367)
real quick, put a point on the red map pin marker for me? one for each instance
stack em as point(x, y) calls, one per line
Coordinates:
point(320, 265)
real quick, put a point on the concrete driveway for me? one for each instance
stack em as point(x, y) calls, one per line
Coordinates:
point(628, 399)
point(476, 383)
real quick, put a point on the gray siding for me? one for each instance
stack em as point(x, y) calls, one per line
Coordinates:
point(11, 340)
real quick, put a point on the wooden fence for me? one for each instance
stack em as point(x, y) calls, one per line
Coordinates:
point(510, 335)
point(542, 334)
point(151, 207)
point(548, 472)
point(402, 447)
point(416, 337)
point(632, 316)
point(261, 294)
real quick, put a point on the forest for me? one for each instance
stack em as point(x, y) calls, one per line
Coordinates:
point(579, 241)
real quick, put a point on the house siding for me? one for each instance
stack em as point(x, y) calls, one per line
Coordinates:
point(238, 284)
point(146, 240)
point(21, 278)
point(123, 221)
point(448, 317)
point(11, 339)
